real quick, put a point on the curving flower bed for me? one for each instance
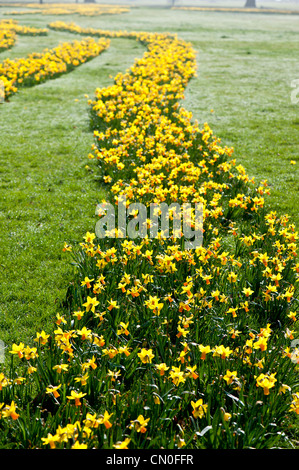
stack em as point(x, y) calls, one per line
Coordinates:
point(38, 67)
point(160, 346)
point(9, 30)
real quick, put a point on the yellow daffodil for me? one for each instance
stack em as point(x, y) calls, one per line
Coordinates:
point(140, 424)
point(105, 420)
point(199, 408)
point(122, 445)
point(76, 396)
point(266, 381)
point(146, 356)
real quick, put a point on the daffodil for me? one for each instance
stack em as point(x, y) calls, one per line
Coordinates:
point(295, 404)
point(146, 356)
point(261, 344)
point(112, 304)
point(226, 416)
point(177, 375)
point(140, 424)
point(105, 420)
point(162, 368)
point(61, 368)
point(123, 329)
point(221, 351)
point(50, 440)
point(91, 304)
point(9, 411)
point(266, 381)
point(122, 445)
point(18, 349)
point(199, 408)
point(247, 291)
point(76, 396)
point(42, 337)
point(204, 351)
point(51, 389)
point(154, 304)
point(85, 333)
point(87, 282)
point(232, 379)
point(79, 445)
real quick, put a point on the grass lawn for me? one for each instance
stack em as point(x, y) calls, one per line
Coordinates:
point(246, 63)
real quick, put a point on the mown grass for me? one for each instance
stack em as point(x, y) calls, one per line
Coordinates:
point(245, 66)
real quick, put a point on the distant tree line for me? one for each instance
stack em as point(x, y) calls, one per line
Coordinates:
point(248, 4)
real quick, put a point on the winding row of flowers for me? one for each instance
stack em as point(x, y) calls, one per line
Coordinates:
point(92, 9)
point(38, 67)
point(7, 39)
point(9, 30)
point(163, 347)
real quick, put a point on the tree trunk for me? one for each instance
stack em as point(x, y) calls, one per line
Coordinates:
point(250, 4)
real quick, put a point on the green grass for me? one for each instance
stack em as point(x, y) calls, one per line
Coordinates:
point(245, 66)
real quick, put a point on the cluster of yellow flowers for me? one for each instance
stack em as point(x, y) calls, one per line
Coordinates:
point(92, 9)
point(7, 39)
point(13, 25)
point(162, 346)
point(7, 36)
point(9, 29)
point(76, 29)
point(50, 63)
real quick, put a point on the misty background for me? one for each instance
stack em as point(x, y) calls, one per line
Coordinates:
point(278, 4)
